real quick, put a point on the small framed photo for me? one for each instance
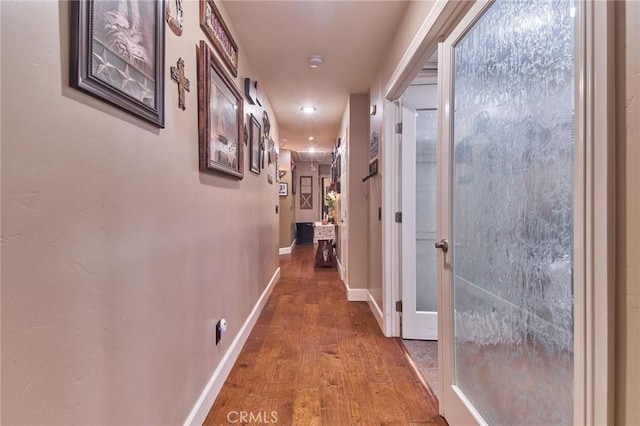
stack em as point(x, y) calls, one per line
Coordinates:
point(117, 55)
point(220, 118)
point(283, 190)
point(373, 168)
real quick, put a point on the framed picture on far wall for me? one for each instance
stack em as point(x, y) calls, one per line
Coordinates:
point(117, 54)
point(220, 118)
point(283, 190)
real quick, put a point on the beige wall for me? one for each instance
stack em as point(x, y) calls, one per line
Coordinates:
point(358, 167)
point(628, 216)
point(303, 168)
point(118, 255)
point(287, 213)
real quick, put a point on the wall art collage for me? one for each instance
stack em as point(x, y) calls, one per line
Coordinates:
point(118, 56)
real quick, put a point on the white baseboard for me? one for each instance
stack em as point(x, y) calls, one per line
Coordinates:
point(353, 294)
point(356, 294)
point(288, 250)
point(375, 309)
point(212, 389)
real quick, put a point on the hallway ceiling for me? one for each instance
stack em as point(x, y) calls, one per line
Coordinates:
point(280, 36)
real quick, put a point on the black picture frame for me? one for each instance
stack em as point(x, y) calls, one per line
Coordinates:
point(294, 176)
point(373, 168)
point(283, 189)
point(129, 79)
point(220, 118)
point(254, 145)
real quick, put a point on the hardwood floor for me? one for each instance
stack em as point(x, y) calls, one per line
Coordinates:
point(315, 359)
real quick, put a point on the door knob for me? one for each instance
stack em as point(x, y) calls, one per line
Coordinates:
point(443, 245)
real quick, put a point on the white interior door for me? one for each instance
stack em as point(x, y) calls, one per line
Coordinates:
point(507, 195)
point(419, 206)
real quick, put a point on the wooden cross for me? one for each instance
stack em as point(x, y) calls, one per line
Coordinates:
point(177, 75)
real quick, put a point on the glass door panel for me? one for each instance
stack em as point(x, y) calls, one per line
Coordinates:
point(426, 199)
point(512, 190)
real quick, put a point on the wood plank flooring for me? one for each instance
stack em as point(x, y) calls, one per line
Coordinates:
point(315, 359)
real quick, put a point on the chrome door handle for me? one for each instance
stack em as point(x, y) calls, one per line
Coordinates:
point(443, 245)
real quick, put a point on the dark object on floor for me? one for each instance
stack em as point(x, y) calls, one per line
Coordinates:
point(304, 233)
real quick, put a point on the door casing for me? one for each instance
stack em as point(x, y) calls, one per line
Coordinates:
point(594, 217)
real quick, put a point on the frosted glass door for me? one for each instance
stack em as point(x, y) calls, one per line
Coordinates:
point(512, 190)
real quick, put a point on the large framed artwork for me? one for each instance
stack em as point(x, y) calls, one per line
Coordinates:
point(214, 27)
point(117, 54)
point(220, 117)
point(254, 144)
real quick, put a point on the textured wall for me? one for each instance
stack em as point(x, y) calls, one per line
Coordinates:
point(628, 213)
point(118, 255)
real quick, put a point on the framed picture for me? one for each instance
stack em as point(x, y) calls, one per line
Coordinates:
point(250, 90)
point(220, 117)
point(373, 168)
point(294, 175)
point(254, 145)
point(373, 145)
point(216, 30)
point(306, 192)
point(283, 190)
point(117, 54)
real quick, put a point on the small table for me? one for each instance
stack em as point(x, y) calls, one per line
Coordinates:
point(323, 235)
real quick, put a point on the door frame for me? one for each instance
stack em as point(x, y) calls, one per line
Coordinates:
point(594, 264)
point(442, 18)
point(416, 324)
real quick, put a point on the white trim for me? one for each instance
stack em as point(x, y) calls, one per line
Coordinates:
point(442, 228)
point(375, 309)
point(594, 282)
point(441, 19)
point(356, 294)
point(353, 294)
point(288, 250)
point(212, 389)
point(390, 229)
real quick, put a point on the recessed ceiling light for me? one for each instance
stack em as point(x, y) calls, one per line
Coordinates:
point(308, 109)
point(315, 61)
point(311, 138)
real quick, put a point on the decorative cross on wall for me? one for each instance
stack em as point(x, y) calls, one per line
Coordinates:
point(177, 75)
